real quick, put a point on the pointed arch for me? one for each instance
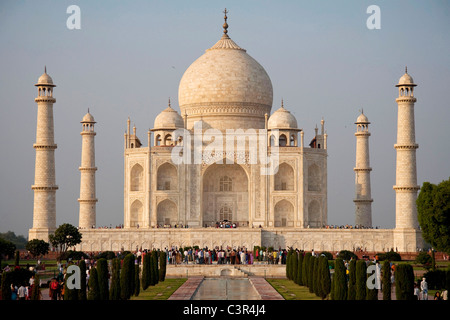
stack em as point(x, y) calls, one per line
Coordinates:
point(284, 178)
point(137, 178)
point(167, 213)
point(167, 177)
point(136, 214)
point(284, 213)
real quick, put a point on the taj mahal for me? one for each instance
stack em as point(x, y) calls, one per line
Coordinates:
point(255, 173)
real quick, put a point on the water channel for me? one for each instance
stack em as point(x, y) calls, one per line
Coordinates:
point(225, 288)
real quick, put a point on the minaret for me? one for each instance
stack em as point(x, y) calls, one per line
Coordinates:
point(44, 208)
point(87, 169)
point(363, 200)
point(406, 173)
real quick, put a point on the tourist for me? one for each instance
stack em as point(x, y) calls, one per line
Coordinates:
point(13, 292)
point(22, 292)
point(424, 288)
point(437, 295)
point(416, 292)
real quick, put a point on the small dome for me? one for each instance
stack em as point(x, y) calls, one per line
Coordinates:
point(45, 80)
point(88, 118)
point(282, 119)
point(362, 119)
point(168, 119)
point(406, 80)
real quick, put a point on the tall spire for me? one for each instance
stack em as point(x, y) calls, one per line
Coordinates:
point(45, 69)
point(406, 69)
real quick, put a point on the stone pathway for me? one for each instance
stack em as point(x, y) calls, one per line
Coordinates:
point(187, 290)
point(265, 290)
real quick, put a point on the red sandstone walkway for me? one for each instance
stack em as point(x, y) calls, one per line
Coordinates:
point(187, 290)
point(265, 290)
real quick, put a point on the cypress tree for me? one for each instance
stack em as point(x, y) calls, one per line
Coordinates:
point(146, 271)
point(114, 292)
point(132, 273)
point(294, 266)
point(311, 274)
point(404, 282)
point(352, 280)
point(386, 280)
point(137, 285)
point(93, 293)
point(162, 265)
point(339, 287)
point(155, 271)
point(6, 285)
point(324, 278)
point(102, 274)
point(305, 269)
point(82, 295)
point(361, 278)
point(371, 294)
point(288, 265)
point(126, 278)
point(316, 277)
point(300, 269)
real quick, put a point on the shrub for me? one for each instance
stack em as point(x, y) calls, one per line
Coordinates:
point(386, 280)
point(108, 255)
point(436, 279)
point(327, 254)
point(316, 277)
point(289, 265)
point(305, 269)
point(346, 255)
point(294, 266)
point(82, 292)
point(424, 259)
point(74, 255)
point(339, 287)
point(137, 286)
point(146, 271)
point(162, 265)
point(93, 293)
point(126, 277)
point(352, 280)
point(155, 271)
point(361, 278)
point(311, 274)
point(114, 292)
point(102, 274)
point(390, 256)
point(404, 282)
point(371, 294)
point(300, 269)
point(324, 285)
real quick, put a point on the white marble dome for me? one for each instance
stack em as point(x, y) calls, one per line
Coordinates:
point(282, 119)
point(362, 119)
point(168, 119)
point(88, 118)
point(406, 79)
point(45, 80)
point(227, 83)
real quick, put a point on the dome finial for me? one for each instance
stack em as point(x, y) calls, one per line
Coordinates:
point(225, 25)
point(169, 101)
point(45, 69)
point(406, 69)
point(282, 103)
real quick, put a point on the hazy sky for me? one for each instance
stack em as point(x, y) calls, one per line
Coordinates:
point(128, 58)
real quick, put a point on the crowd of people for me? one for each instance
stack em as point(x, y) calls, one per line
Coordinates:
point(228, 255)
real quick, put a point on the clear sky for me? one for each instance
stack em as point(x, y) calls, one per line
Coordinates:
point(129, 56)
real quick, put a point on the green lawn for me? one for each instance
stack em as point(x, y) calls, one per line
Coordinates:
point(161, 291)
point(292, 291)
